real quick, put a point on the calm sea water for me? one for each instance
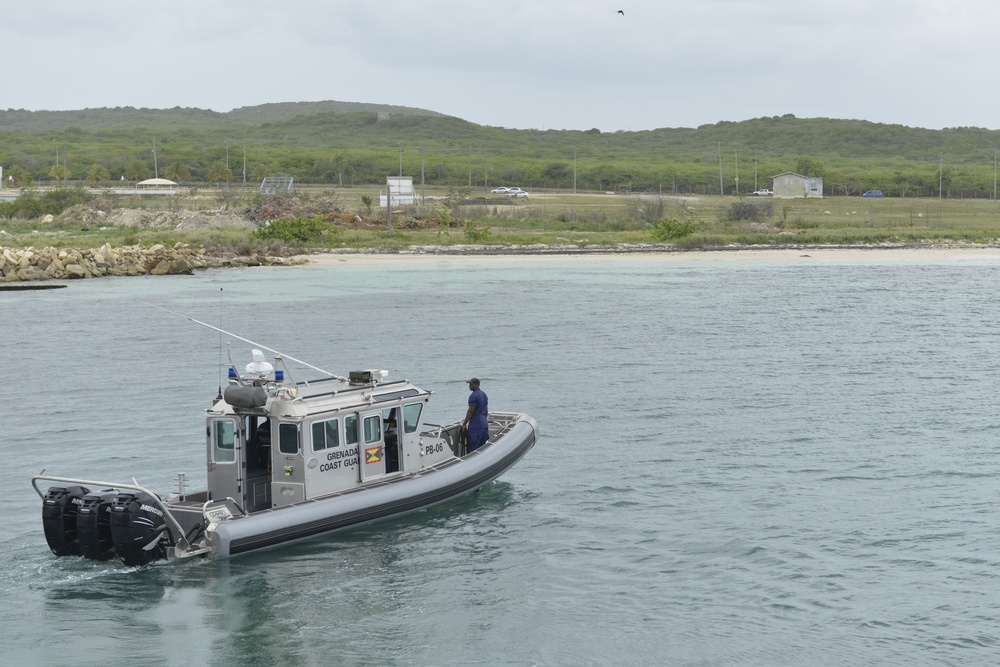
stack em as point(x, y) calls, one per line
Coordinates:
point(741, 462)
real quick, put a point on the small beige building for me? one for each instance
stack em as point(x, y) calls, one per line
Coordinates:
point(795, 186)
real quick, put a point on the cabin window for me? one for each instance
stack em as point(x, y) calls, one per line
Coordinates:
point(373, 429)
point(411, 417)
point(224, 441)
point(326, 435)
point(351, 429)
point(288, 438)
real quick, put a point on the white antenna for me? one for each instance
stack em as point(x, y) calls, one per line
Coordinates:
point(247, 340)
point(220, 343)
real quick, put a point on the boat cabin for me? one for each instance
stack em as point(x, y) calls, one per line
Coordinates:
point(272, 443)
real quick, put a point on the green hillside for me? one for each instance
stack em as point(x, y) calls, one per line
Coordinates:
point(21, 120)
point(347, 144)
point(270, 113)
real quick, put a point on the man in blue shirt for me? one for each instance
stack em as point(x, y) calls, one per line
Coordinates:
point(475, 417)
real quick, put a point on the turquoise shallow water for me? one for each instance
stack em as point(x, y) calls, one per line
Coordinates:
point(741, 462)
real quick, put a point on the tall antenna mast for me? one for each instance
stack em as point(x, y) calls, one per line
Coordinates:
point(251, 342)
point(220, 343)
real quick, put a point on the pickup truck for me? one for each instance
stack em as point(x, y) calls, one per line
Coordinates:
point(763, 192)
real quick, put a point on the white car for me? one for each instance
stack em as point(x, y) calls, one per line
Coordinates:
point(499, 191)
point(518, 193)
point(762, 193)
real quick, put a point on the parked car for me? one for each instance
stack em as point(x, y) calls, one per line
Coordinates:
point(518, 193)
point(763, 192)
point(872, 193)
point(499, 191)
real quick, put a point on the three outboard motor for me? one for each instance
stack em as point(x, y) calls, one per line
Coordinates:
point(104, 524)
point(138, 529)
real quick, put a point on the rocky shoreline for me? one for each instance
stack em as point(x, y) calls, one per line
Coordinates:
point(19, 265)
point(34, 264)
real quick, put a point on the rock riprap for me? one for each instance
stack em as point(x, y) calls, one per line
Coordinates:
point(24, 264)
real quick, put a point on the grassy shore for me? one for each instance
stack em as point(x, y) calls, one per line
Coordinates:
point(564, 219)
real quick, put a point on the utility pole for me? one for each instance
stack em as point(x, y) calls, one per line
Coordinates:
point(940, 175)
point(722, 190)
point(574, 169)
point(244, 164)
point(737, 173)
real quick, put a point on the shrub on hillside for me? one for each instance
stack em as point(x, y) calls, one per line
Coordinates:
point(754, 211)
point(294, 230)
point(476, 234)
point(51, 202)
point(671, 230)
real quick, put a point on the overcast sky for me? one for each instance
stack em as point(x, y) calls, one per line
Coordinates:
point(563, 64)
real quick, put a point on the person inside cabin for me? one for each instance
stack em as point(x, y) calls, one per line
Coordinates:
point(475, 422)
point(262, 445)
point(391, 442)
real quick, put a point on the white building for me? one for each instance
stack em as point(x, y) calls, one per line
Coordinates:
point(401, 190)
point(796, 186)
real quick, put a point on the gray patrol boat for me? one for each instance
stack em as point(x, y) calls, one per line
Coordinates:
point(286, 461)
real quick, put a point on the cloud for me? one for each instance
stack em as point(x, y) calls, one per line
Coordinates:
point(550, 63)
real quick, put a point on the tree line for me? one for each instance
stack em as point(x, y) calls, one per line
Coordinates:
point(360, 148)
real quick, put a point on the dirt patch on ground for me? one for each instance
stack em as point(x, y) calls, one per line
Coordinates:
point(131, 217)
point(179, 220)
point(275, 208)
point(251, 218)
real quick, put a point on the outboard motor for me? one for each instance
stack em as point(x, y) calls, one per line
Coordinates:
point(138, 529)
point(93, 525)
point(59, 509)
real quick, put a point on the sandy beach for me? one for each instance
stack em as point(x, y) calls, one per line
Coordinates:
point(880, 255)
